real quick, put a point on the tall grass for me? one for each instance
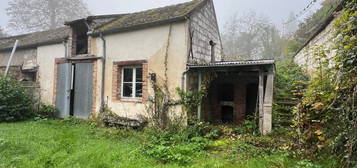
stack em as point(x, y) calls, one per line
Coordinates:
point(73, 143)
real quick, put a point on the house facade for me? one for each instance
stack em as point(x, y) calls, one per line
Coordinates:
point(112, 60)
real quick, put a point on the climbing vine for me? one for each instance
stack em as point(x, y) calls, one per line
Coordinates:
point(326, 118)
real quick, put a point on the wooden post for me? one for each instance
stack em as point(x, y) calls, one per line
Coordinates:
point(199, 110)
point(268, 103)
point(261, 100)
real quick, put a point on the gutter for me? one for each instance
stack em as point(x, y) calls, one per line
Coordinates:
point(103, 71)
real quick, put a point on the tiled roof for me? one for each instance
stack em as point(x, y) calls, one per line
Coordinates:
point(233, 63)
point(106, 24)
point(35, 39)
point(151, 17)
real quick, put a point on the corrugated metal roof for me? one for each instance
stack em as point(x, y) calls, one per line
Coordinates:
point(233, 63)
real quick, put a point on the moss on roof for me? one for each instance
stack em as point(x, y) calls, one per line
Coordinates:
point(157, 15)
point(32, 40)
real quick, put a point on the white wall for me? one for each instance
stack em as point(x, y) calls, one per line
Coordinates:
point(46, 56)
point(20, 57)
point(146, 44)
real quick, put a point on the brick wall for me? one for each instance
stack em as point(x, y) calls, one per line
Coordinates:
point(212, 105)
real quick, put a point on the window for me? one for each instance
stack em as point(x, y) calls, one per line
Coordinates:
point(132, 82)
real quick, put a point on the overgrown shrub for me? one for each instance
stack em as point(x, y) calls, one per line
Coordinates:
point(175, 146)
point(290, 82)
point(248, 127)
point(46, 111)
point(16, 103)
point(327, 115)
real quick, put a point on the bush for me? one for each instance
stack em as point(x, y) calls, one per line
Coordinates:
point(175, 146)
point(47, 111)
point(15, 101)
point(248, 127)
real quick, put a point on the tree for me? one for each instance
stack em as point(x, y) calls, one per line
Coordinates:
point(251, 37)
point(291, 24)
point(37, 15)
point(2, 33)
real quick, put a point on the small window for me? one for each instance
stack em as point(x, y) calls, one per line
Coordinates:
point(132, 82)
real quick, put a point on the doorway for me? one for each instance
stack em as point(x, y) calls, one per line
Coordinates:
point(74, 90)
point(251, 100)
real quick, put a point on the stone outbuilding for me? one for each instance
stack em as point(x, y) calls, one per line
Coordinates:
point(109, 60)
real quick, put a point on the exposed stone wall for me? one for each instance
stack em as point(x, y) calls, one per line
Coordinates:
point(204, 28)
point(306, 57)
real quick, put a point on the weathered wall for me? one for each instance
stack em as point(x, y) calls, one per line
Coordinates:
point(306, 57)
point(149, 44)
point(46, 56)
point(212, 105)
point(203, 29)
point(20, 57)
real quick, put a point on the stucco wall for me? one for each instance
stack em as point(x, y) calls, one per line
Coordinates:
point(204, 28)
point(306, 58)
point(46, 61)
point(148, 44)
point(20, 57)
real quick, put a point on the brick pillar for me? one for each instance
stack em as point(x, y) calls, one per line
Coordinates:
point(116, 83)
point(239, 102)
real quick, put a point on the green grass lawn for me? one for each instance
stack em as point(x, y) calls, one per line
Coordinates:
point(55, 143)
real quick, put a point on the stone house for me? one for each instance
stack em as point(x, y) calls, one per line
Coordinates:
point(113, 59)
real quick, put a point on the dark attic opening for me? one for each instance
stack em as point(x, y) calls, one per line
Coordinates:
point(80, 38)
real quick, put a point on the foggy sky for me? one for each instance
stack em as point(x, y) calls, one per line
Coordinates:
point(276, 10)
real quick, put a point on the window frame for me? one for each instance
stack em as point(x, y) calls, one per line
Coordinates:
point(133, 82)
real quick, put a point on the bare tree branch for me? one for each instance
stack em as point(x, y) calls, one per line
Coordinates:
point(37, 15)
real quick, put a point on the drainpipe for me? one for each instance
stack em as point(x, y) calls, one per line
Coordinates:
point(183, 78)
point(103, 71)
point(65, 47)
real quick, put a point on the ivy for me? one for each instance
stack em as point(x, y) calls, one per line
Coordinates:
point(326, 117)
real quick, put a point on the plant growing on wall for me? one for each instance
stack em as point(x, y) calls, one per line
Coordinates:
point(327, 115)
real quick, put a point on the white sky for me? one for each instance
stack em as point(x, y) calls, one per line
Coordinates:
point(276, 10)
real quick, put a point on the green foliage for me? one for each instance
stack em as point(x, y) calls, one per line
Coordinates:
point(327, 115)
point(316, 20)
point(290, 82)
point(46, 111)
point(310, 115)
point(345, 93)
point(248, 127)
point(77, 143)
point(191, 100)
point(306, 164)
point(15, 101)
point(175, 147)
